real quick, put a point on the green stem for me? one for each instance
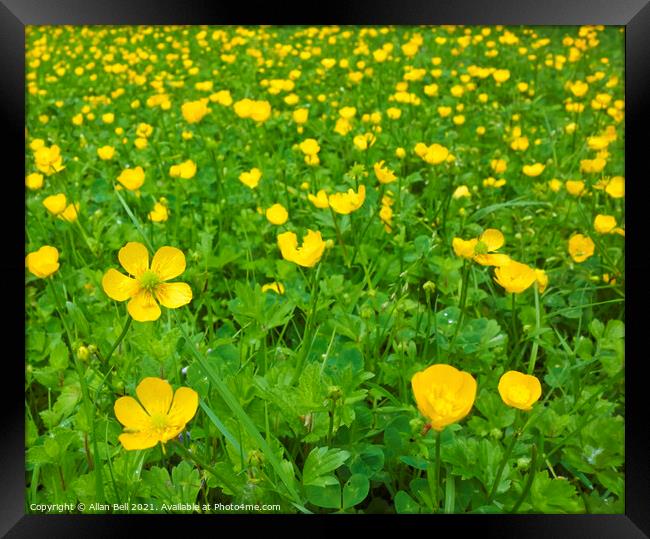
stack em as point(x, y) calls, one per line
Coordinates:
point(177, 209)
point(529, 482)
point(99, 480)
point(533, 351)
point(126, 327)
point(515, 436)
point(339, 236)
point(437, 489)
point(514, 319)
point(307, 337)
point(199, 462)
point(134, 220)
point(84, 235)
point(330, 430)
point(463, 298)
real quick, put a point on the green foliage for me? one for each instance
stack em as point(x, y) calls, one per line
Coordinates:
point(303, 372)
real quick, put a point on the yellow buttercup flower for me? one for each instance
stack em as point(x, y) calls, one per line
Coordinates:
point(194, 111)
point(160, 415)
point(555, 185)
point(49, 160)
point(345, 203)
point(444, 394)
point(464, 248)
point(616, 187)
point(277, 214)
point(300, 116)
point(519, 144)
point(393, 113)
point(515, 277)
point(308, 254)
point(436, 154)
point(343, 127)
point(533, 170)
point(501, 75)
point(578, 88)
point(363, 142)
point(519, 390)
point(159, 214)
point(43, 262)
point(309, 146)
point(222, 97)
point(55, 204)
point(604, 224)
point(70, 212)
point(141, 143)
point(185, 170)
point(131, 178)
point(481, 249)
point(498, 165)
point(461, 192)
point(347, 113)
point(259, 111)
point(592, 165)
point(384, 174)
point(320, 200)
point(581, 247)
point(34, 181)
point(386, 216)
point(251, 178)
point(144, 130)
point(493, 182)
point(147, 284)
point(106, 152)
point(278, 288)
point(575, 187)
point(542, 280)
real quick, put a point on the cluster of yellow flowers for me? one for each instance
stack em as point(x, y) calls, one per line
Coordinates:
point(445, 395)
point(343, 203)
point(513, 276)
point(58, 205)
point(260, 111)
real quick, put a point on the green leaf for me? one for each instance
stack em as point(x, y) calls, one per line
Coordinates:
point(517, 202)
point(355, 490)
point(404, 504)
point(326, 496)
point(554, 495)
point(59, 357)
point(368, 462)
point(320, 462)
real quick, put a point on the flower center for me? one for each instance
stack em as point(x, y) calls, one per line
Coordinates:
point(480, 248)
point(159, 421)
point(442, 402)
point(149, 280)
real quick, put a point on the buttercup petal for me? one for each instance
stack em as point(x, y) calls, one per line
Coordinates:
point(492, 259)
point(168, 262)
point(288, 242)
point(184, 406)
point(143, 307)
point(173, 295)
point(138, 440)
point(129, 412)
point(155, 394)
point(492, 238)
point(118, 286)
point(134, 258)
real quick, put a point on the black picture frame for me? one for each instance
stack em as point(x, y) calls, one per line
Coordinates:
point(633, 14)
